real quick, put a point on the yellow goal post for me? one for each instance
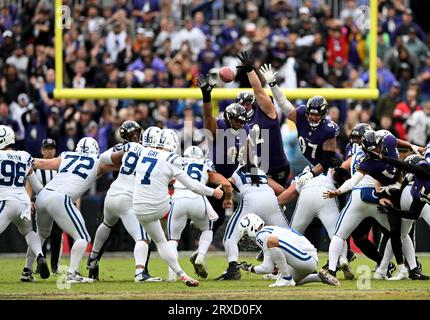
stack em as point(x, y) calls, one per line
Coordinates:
point(371, 92)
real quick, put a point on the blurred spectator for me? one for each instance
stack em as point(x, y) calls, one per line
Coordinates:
point(6, 118)
point(407, 23)
point(337, 45)
point(35, 124)
point(391, 23)
point(11, 86)
point(19, 61)
point(403, 110)
point(191, 34)
point(116, 40)
point(7, 47)
point(145, 10)
point(199, 22)
point(385, 77)
point(418, 125)
point(424, 79)
point(208, 56)
point(388, 101)
point(415, 46)
point(386, 123)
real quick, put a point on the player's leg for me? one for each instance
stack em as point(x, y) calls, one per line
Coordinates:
point(351, 215)
point(217, 206)
point(56, 245)
point(152, 225)
point(230, 240)
point(361, 239)
point(304, 212)
point(201, 221)
point(69, 219)
point(176, 223)
point(285, 276)
point(112, 207)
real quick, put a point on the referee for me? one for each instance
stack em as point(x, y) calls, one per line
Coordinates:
point(48, 152)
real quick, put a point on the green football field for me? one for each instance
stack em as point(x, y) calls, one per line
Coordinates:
point(117, 283)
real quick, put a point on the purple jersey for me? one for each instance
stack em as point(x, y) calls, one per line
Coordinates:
point(228, 162)
point(277, 158)
point(386, 174)
point(311, 141)
point(421, 188)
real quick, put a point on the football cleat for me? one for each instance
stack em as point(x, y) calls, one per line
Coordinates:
point(391, 268)
point(27, 275)
point(327, 278)
point(402, 274)
point(232, 273)
point(199, 266)
point(94, 273)
point(189, 282)
point(380, 274)
point(260, 256)
point(43, 267)
point(346, 269)
point(76, 277)
point(284, 282)
point(171, 277)
point(145, 277)
point(415, 274)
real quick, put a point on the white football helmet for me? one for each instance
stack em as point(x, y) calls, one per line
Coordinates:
point(87, 145)
point(194, 152)
point(250, 224)
point(7, 136)
point(168, 140)
point(149, 137)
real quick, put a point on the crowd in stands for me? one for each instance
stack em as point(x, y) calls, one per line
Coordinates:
point(163, 43)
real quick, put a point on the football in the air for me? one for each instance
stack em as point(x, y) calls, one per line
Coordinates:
point(226, 74)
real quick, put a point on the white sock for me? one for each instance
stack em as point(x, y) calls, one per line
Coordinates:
point(345, 250)
point(204, 243)
point(102, 234)
point(310, 278)
point(168, 255)
point(31, 255)
point(408, 250)
point(280, 261)
point(140, 254)
point(76, 254)
point(231, 249)
point(334, 251)
point(173, 244)
point(386, 259)
point(33, 242)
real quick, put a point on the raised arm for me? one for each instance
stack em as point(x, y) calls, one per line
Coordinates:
point(346, 186)
point(261, 96)
point(209, 121)
point(288, 195)
point(286, 106)
point(407, 145)
point(409, 167)
point(196, 186)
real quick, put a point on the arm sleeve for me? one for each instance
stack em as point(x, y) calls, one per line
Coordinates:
point(35, 183)
point(193, 185)
point(412, 168)
point(105, 157)
point(282, 101)
point(350, 183)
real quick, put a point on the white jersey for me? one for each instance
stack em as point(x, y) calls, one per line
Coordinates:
point(196, 169)
point(323, 180)
point(154, 171)
point(289, 239)
point(14, 168)
point(357, 157)
point(124, 183)
point(76, 174)
point(243, 182)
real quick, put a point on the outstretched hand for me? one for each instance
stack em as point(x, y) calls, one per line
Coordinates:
point(247, 63)
point(204, 84)
point(245, 266)
point(268, 73)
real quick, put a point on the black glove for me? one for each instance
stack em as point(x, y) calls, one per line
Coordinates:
point(206, 87)
point(247, 64)
point(384, 209)
point(245, 266)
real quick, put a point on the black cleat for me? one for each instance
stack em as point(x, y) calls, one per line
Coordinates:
point(232, 273)
point(415, 274)
point(350, 255)
point(27, 275)
point(94, 273)
point(260, 256)
point(391, 268)
point(43, 267)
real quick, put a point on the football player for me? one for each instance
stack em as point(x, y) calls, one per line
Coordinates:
point(16, 168)
point(118, 203)
point(287, 249)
